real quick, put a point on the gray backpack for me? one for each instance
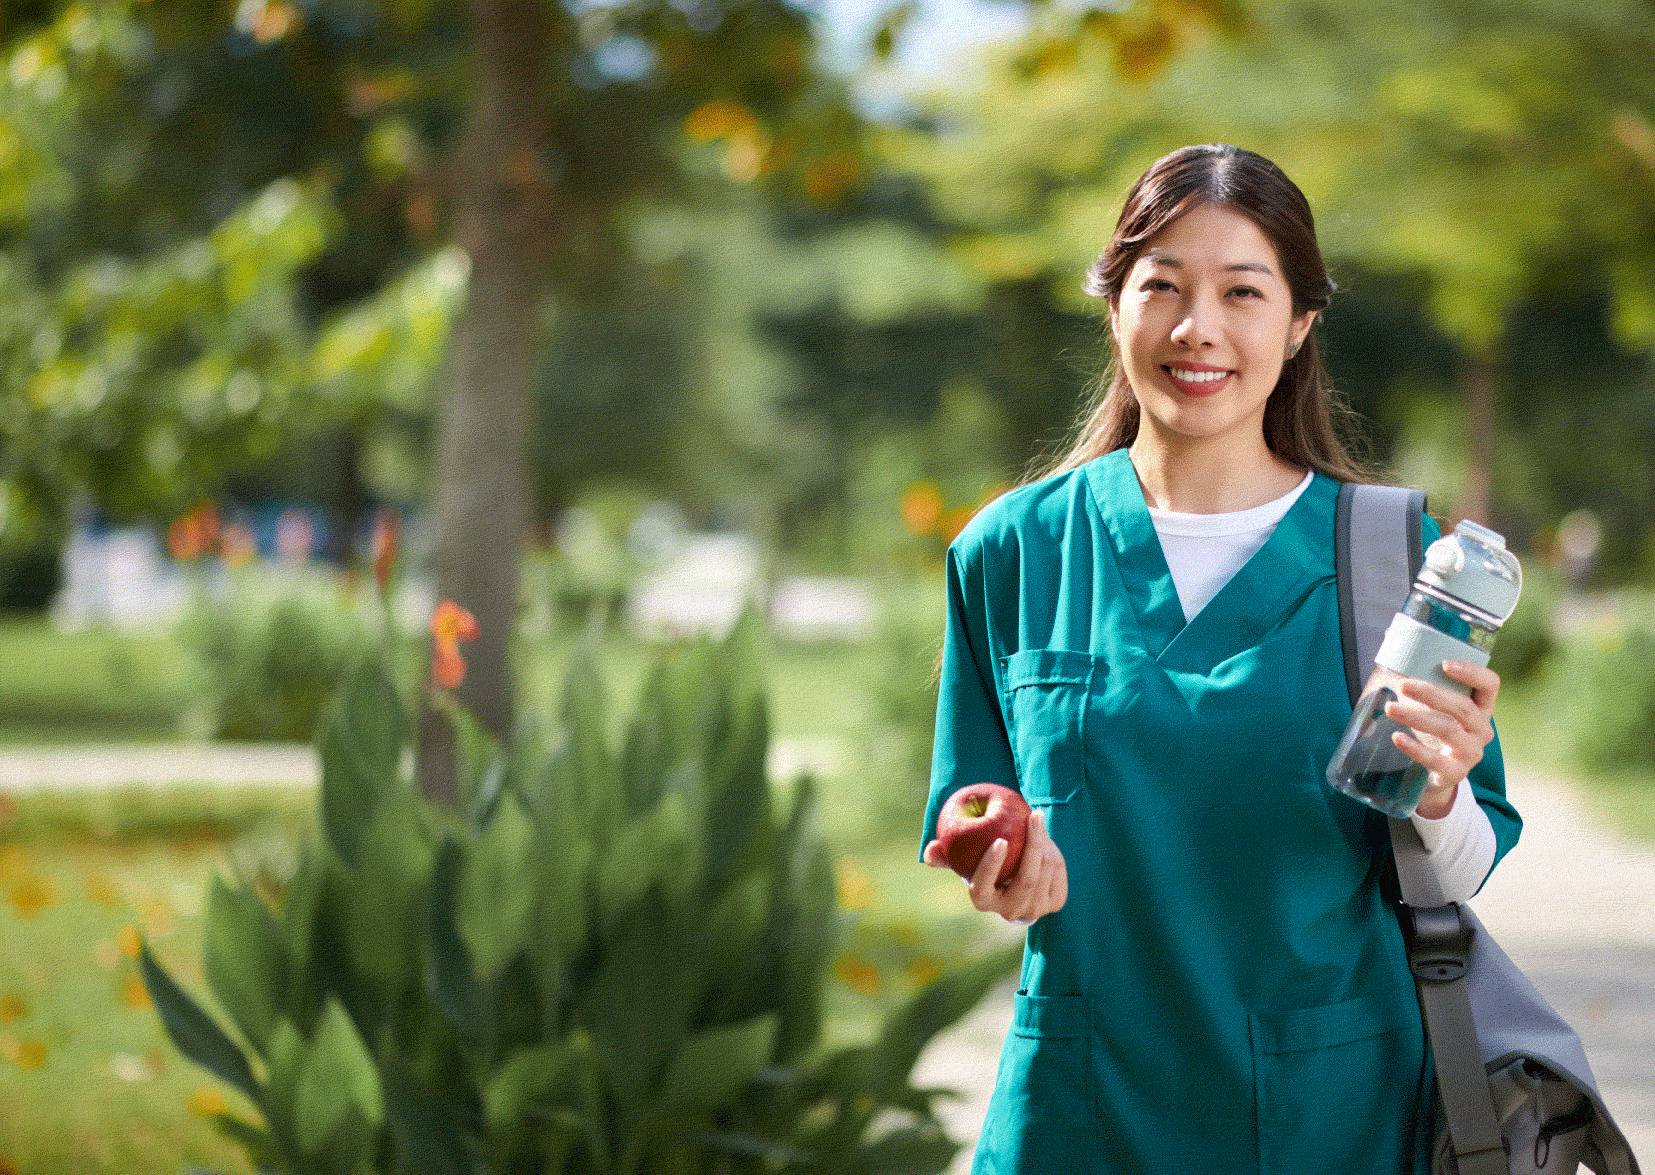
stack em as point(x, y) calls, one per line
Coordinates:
point(1517, 1095)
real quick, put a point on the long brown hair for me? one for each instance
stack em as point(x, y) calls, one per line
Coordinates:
point(1304, 417)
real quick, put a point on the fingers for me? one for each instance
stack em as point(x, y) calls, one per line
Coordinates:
point(1484, 682)
point(1447, 730)
point(1039, 887)
point(1041, 884)
point(981, 883)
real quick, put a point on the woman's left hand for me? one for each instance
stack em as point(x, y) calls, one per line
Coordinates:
point(1459, 728)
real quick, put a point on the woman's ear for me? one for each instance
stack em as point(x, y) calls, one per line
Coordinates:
point(1300, 331)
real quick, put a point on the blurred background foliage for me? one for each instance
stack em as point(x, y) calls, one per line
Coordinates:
point(811, 274)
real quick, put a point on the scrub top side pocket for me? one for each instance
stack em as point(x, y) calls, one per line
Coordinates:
point(1339, 1086)
point(1045, 694)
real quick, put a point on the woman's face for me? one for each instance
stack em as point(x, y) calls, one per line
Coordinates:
point(1203, 325)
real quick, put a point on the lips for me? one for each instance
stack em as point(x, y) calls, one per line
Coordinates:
point(1197, 380)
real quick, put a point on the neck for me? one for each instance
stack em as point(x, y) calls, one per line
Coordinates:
point(1209, 477)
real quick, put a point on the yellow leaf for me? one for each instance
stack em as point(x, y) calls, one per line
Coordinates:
point(206, 1102)
point(29, 897)
point(855, 888)
point(133, 992)
point(858, 974)
point(101, 889)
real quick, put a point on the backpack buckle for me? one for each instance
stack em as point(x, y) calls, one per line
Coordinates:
point(1439, 944)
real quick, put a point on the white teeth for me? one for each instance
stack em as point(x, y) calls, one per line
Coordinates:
point(1196, 377)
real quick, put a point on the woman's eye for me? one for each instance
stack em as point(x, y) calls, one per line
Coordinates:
point(1247, 292)
point(1158, 283)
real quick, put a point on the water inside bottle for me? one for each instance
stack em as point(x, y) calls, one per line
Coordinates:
point(1372, 768)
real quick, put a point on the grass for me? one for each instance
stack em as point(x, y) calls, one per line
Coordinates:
point(88, 1081)
point(94, 686)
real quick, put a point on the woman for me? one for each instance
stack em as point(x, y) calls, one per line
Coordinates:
point(1146, 642)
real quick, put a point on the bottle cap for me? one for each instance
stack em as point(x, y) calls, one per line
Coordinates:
point(1473, 565)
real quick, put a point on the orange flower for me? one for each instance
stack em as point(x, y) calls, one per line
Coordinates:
point(855, 887)
point(386, 543)
point(718, 119)
point(954, 521)
point(923, 971)
point(921, 507)
point(101, 889)
point(450, 624)
point(193, 535)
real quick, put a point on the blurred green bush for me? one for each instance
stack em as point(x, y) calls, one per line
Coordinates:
point(609, 962)
point(274, 649)
point(1606, 690)
point(1527, 638)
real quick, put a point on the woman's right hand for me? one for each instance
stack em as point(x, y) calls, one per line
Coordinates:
point(1039, 887)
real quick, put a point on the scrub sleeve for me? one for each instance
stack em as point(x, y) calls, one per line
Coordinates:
point(1226, 987)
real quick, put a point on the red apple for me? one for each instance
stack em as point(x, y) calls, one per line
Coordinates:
point(974, 818)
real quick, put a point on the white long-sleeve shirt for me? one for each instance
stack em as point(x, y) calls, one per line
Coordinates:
point(1203, 551)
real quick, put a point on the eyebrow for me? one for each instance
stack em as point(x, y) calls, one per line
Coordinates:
point(1243, 266)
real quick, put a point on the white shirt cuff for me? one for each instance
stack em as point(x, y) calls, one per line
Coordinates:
point(1459, 846)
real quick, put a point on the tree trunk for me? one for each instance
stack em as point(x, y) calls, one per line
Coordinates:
point(1480, 439)
point(485, 404)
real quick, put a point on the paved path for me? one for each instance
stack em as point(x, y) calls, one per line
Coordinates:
point(1573, 904)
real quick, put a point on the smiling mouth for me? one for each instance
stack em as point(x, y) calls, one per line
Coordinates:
point(1196, 382)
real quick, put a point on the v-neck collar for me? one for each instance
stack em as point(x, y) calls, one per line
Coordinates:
point(1247, 607)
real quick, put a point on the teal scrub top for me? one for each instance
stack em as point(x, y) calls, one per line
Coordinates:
point(1225, 988)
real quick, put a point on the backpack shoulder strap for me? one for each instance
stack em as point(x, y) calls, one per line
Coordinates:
point(1377, 554)
point(1377, 540)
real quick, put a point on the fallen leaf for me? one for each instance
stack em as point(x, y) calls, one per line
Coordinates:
point(205, 1102)
point(133, 993)
point(29, 897)
point(102, 890)
point(129, 1068)
point(157, 916)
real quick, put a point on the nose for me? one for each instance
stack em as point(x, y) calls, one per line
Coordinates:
point(1198, 324)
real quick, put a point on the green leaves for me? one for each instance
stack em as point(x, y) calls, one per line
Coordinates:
point(338, 1104)
point(610, 966)
point(361, 748)
point(247, 963)
point(495, 902)
point(193, 1032)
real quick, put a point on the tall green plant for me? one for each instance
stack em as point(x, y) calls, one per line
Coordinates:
point(612, 962)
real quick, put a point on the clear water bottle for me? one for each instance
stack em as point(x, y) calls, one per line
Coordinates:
point(1466, 589)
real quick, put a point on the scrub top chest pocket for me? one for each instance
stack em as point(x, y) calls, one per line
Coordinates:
point(1045, 694)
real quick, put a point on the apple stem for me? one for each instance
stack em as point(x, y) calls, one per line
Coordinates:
point(976, 806)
